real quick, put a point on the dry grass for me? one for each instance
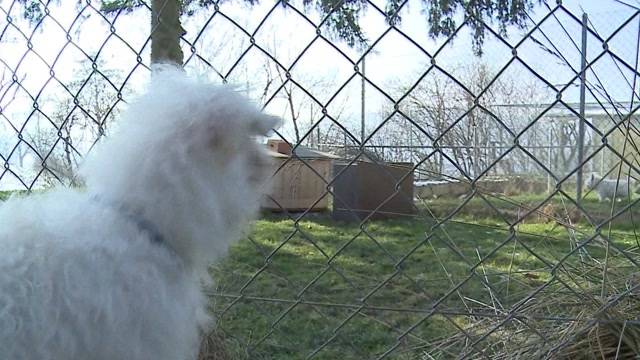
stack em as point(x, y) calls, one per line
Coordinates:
point(600, 326)
point(213, 347)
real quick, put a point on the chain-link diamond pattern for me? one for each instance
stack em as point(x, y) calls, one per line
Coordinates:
point(482, 274)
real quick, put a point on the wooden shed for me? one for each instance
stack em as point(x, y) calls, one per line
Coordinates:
point(300, 179)
point(374, 190)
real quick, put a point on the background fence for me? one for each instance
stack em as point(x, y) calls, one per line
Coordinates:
point(475, 273)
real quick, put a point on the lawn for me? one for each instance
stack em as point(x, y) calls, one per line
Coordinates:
point(4, 195)
point(420, 287)
point(345, 291)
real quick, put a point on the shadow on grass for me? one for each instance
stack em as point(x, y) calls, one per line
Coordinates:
point(342, 291)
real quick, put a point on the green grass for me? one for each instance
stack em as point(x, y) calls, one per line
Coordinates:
point(4, 195)
point(316, 281)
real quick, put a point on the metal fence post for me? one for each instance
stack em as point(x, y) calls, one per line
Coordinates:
point(550, 159)
point(583, 78)
point(362, 115)
point(476, 155)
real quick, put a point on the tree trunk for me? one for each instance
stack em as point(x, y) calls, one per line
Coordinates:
point(166, 31)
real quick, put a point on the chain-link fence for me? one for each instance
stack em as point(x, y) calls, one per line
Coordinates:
point(486, 247)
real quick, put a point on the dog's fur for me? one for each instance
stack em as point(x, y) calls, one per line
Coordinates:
point(115, 271)
point(608, 189)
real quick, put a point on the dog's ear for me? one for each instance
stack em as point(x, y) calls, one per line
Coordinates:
point(265, 124)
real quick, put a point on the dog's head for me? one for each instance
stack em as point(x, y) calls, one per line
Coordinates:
point(188, 155)
point(210, 121)
point(195, 126)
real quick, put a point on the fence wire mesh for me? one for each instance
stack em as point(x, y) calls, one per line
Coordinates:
point(495, 255)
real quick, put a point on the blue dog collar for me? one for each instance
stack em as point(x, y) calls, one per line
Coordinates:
point(142, 223)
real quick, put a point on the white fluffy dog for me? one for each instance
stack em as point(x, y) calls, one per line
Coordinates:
point(608, 189)
point(114, 271)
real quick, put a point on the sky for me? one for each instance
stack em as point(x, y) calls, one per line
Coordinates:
point(393, 60)
point(393, 63)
